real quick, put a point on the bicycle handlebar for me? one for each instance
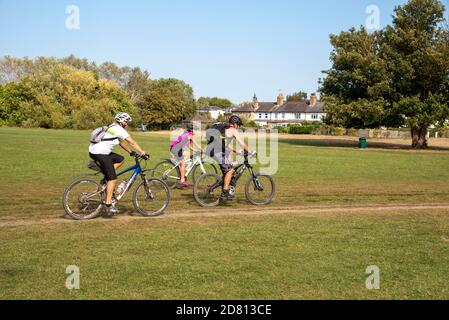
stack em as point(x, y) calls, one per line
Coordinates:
point(140, 157)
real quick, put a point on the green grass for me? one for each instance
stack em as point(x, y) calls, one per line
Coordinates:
point(284, 256)
point(280, 257)
point(38, 164)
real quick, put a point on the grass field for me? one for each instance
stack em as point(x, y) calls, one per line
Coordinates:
point(337, 211)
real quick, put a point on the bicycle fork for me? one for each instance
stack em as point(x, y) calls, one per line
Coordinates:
point(257, 185)
point(148, 192)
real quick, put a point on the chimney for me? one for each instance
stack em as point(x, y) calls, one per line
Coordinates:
point(255, 103)
point(280, 99)
point(313, 99)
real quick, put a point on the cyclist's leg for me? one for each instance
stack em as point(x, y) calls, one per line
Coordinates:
point(117, 160)
point(182, 166)
point(227, 168)
point(107, 165)
point(227, 180)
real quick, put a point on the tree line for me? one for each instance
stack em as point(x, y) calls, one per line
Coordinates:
point(394, 77)
point(75, 93)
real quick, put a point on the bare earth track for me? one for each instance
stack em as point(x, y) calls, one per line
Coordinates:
point(222, 212)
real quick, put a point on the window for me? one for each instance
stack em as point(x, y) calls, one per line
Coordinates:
point(260, 116)
point(266, 115)
point(276, 116)
point(314, 116)
point(297, 116)
point(283, 116)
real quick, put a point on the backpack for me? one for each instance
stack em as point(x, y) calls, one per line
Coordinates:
point(181, 140)
point(215, 137)
point(98, 134)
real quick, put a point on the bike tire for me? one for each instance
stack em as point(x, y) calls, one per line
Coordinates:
point(250, 183)
point(160, 170)
point(160, 209)
point(198, 189)
point(207, 165)
point(96, 212)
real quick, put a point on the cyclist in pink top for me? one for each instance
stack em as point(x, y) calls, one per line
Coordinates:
point(178, 151)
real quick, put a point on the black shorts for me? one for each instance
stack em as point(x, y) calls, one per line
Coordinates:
point(224, 162)
point(107, 162)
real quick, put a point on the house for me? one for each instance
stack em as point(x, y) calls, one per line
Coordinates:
point(282, 113)
point(199, 119)
point(214, 112)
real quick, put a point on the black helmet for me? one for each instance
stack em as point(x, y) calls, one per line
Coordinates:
point(192, 127)
point(236, 120)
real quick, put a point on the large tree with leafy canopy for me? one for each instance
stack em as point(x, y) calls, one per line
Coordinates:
point(168, 101)
point(214, 102)
point(393, 77)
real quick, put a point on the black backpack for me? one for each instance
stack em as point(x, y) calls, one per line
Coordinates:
point(215, 137)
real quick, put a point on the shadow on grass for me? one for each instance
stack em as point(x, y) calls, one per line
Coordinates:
point(354, 144)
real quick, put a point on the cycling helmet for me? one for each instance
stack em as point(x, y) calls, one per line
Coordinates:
point(192, 127)
point(123, 117)
point(236, 120)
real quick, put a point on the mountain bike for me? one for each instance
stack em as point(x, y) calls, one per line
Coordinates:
point(169, 172)
point(260, 189)
point(83, 199)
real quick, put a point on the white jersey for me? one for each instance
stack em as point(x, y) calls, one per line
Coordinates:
point(105, 147)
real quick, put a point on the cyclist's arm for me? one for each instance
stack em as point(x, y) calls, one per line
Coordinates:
point(125, 146)
point(195, 145)
point(240, 141)
point(134, 145)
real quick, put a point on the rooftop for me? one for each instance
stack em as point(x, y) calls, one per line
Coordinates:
point(288, 107)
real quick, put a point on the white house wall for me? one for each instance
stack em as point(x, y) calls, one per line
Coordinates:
point(216, 114)
point(262, 117)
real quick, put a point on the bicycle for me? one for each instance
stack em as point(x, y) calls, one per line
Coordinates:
point(83, 199)
point(208, 188)
point(169, 172)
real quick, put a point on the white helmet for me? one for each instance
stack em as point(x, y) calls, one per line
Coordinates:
point(123, 117)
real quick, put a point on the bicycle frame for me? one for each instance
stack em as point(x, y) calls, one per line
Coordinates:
point(239, 171)
point(193, 163)
point(190, 165)
point(137, 168)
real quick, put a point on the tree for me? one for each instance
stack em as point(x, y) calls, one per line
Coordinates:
point(137, 85)
point(80, 64)
point(168, 101)
point(12, 69)
point(64, 97)
point(214, 102)
point(75, 93)
point(12, 95)
point(392, 77)
point(297, 96)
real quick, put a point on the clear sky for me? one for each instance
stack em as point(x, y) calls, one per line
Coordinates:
point(226, 48)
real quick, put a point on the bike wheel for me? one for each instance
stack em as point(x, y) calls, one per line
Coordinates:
point(167, 172)
point(260, 189)
point(207, 190)
point(209, 167)
point(151, 197)
point(83, 199)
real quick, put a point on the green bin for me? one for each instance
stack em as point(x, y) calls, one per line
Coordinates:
point(362, 143)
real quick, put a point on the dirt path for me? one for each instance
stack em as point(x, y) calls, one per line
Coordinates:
point(223, 212)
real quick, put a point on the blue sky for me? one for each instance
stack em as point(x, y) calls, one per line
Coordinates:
point(222, 48)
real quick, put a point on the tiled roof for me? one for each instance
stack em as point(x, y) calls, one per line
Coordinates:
point(198, 117)
point(266, 107)
point(245, 108)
